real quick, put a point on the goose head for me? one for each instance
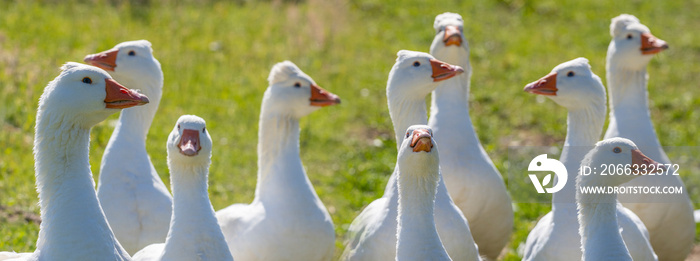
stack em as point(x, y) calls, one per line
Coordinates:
point(130, 61)
point(87, 93)
point(571, 84)
point(418, 149)
point(416, 74)
point(293, 92)
point(633, 42)
point(619, 152)
point(189, 143)
point(449, 43)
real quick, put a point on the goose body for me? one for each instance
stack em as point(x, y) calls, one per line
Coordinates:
point(372, 235)
point(418, 172)
point(669, 218)
point(599, 230)
point(135, 200)
point(555, 237)
point(194, 232)
point(73, 225)
point(286, 220)
point(472, 180)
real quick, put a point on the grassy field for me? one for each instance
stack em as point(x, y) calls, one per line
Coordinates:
point(216, 57)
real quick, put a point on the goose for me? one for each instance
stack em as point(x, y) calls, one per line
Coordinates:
point(372, 235)
point(474, 183)
point(73, 225)
point(669, 218)
point(418, 172)
point(600, 234)
point(194, 232)
point(135, 200)
point(574, 86)
point(286, 220)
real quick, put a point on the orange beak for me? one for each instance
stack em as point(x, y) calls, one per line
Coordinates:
point(545, 86)
point(652, 45)
point(639, 159)
point(443, 71)
point(189, 142)
point(120, 97)
point(106, 60)
point(452, 36)
point(422, 141)
point(321, 97)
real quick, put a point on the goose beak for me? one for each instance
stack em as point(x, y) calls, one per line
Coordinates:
point(652, 45)
point(321, 97)
point(639, 159)
point(106, 60)
point(422, 141)
point(452, 36)
point(120, 97)
point(189, 143)
point(443, 71)
point(545, 86)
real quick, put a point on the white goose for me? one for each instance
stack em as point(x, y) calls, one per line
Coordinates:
point(555, 237)
point(418, 173)
point(671, 225)
point(474, 183)
point(135, 200)
point(372, 235)
point(73, 225)
point(600, 234)
point(194, 232)
point(286, 220)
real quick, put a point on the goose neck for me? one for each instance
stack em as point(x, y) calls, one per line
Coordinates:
point(450, 97)
point(598, 221)
point(416, 194)
point(454, 90)
point(189, 185)
point(416, 213)
point(449, 115)
point(136, 121)
point(278, 151)
point(61, 158)
point(628, 92)
point(404, 113)
point(629, 109)
point(67, 197)
point(193, 216)
point(584, 126)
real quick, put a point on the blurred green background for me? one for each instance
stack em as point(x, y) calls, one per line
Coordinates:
point(216, 56)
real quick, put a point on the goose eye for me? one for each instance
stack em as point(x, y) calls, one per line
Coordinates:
point(132, 53)
point(204, 129)
point(408, 134)
point(416, 64)
point(629, 36)
point(87, 80)
point(570, 74)
point(297, 84)
point(178, 127)
point(617, 150)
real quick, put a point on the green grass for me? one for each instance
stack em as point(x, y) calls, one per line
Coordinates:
point(347, 47)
